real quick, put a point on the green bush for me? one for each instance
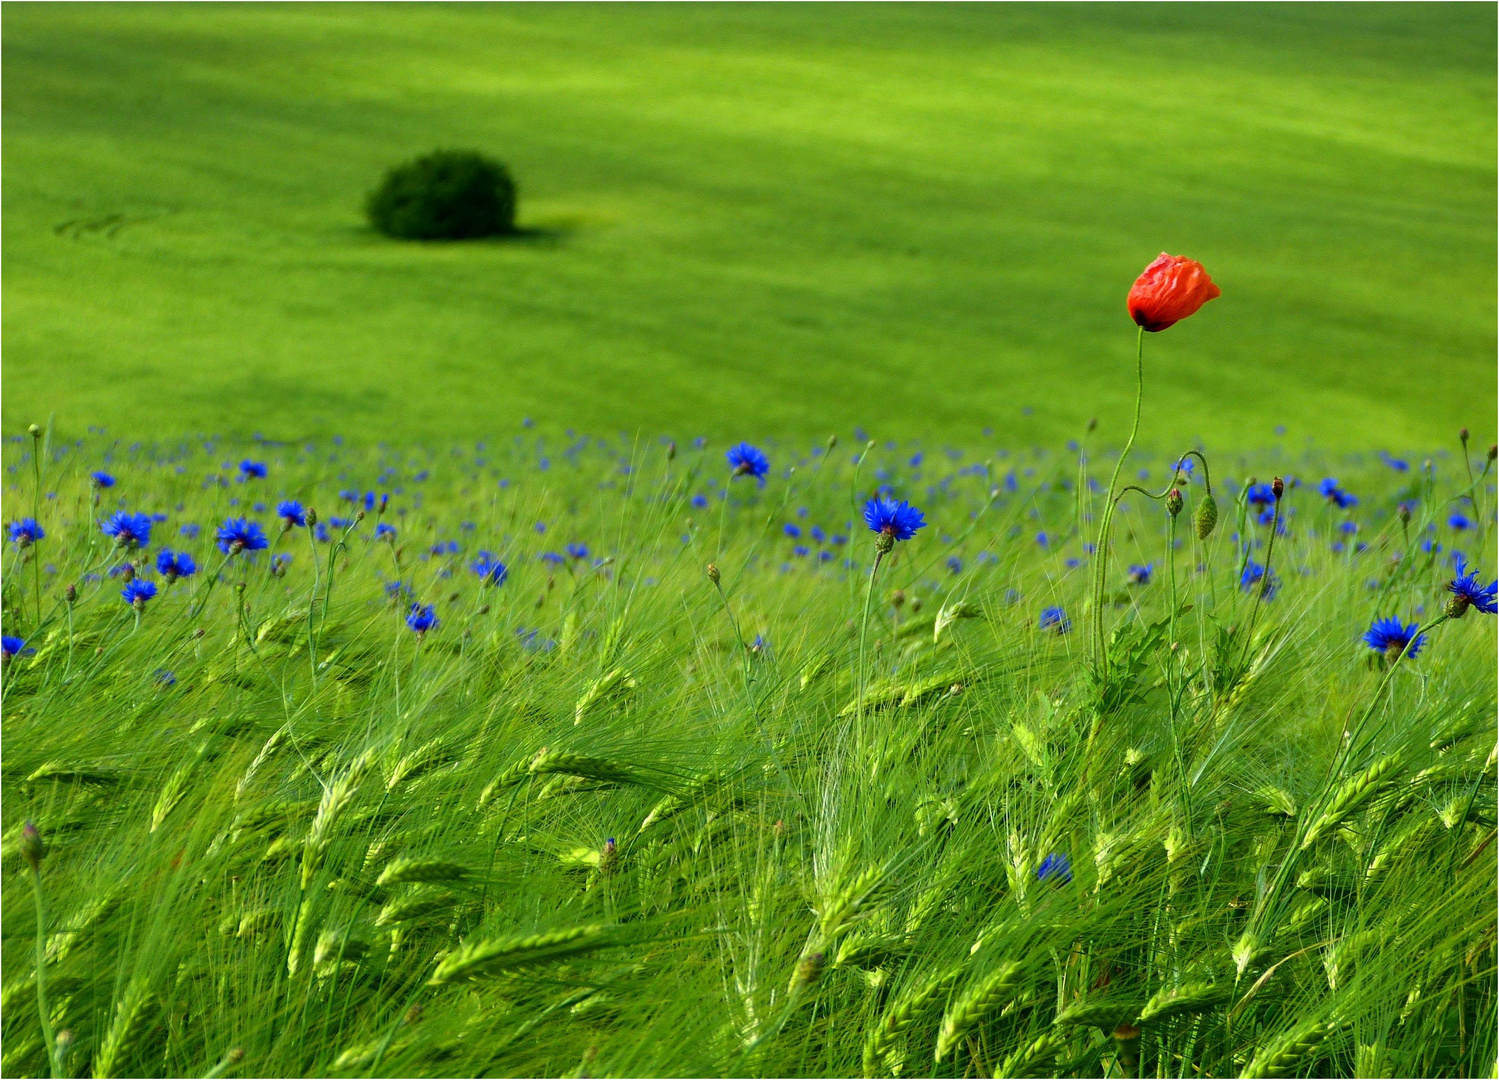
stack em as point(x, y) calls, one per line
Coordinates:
point(445, 195)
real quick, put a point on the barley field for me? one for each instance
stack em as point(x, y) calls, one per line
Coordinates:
point(572, 757)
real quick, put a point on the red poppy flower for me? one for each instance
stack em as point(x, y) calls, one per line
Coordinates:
point(1170, 289)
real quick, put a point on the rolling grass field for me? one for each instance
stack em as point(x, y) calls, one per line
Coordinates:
point(608, 816)
point(753, 221)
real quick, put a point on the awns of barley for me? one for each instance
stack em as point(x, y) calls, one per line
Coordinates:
point(1105, 1013)
point(1354, 793)
point(399, 871)
point(556, 762)
point(982, 997)
point(1288, 1054)
point(611, 686)
point(411, 908)
point(1025, 1060)
point(125, 1026)
point(903, 1015)
point(485, 958)
point(1182, 1000)
point(171, 793)
point(334, 801)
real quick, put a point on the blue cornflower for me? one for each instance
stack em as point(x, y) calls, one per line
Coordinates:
point(137, 591)
point(190, 530)
point(1390, 637)
point(279, 563)
point(551, 558)
point(1398, 464)
point(954, 564)
point(1459, 522)
point(816, 533)
point(1054, 618)
point(1043, 540)
point(490, 570)
point(249, 468)
point(26, 532)
point(1260, 495)
point(1348, 527)
point(801, 551)
point(1254, 574)
point(13, 646)
point(175, 565)
point(102, 479)
point(577, 551)
point(422, 618)
point(1055, 867)
point(700, 501)
point(348, 495)
point(321, 532)
point(1467, 592)
point(385, 529)
point(746, 460)
point(165, 678)
point(892, 521)
point(241, 534)
point(293, 513)
point(129, 530)
point(1330, 491)
point(1140, 575)
point(791, 529)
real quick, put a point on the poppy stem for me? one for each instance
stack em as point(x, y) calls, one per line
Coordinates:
point(1102, 555)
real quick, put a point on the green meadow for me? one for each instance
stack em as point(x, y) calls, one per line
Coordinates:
point(754, 220)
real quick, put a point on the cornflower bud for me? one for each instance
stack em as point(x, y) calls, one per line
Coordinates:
point(898, 597)
point(127, 573)
point(1092, 424)
point(1404, 512)
point(1174, 502)
point(33, 850)
point(832, 441)
point(713, 573)
point(809, 969)
point(311, 517)
point(35, 431)
point(1462, 434)
point(671, 450)
point(70, 594)
point(609, 857)
point(359, 516)
point(1493, 451)
point(384, 502)
point(1278, 487)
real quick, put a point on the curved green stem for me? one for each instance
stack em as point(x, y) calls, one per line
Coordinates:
point(1102, 554)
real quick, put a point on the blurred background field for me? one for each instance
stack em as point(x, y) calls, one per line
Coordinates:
point(754, 220)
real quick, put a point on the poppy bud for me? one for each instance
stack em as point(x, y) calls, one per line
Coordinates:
point(713, 573)
point(1278, 488)
point(1206, 516)
point(32, 848)
point(1174, 502)
point(1170, 289)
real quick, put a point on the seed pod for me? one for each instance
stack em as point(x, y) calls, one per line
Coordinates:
point(1206, 516)
point(1174, 502)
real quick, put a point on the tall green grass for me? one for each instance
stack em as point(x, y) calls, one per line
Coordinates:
point(611, 819)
